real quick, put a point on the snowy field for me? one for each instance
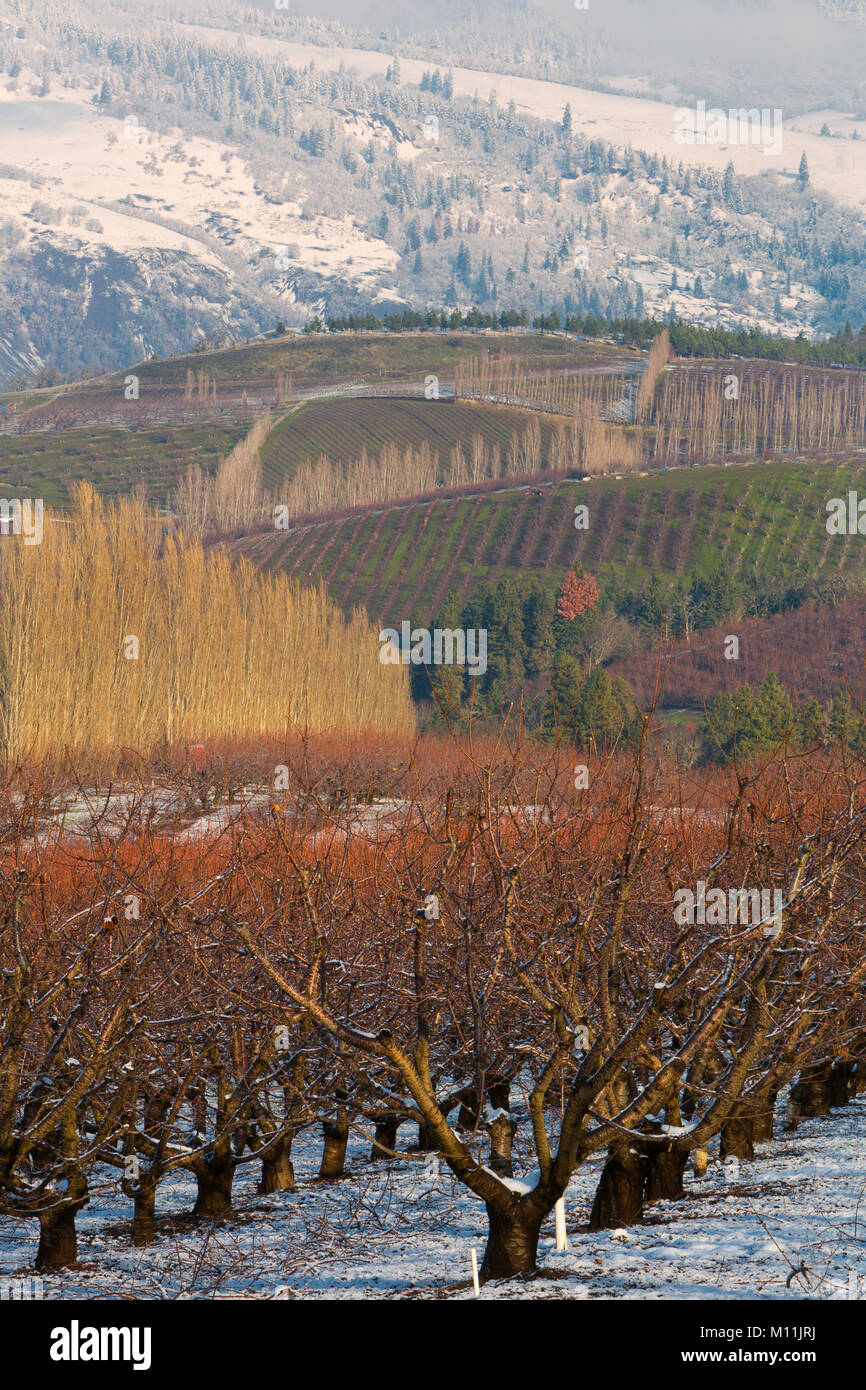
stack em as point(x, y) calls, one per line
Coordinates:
point(98, 176)
point(405, 1230)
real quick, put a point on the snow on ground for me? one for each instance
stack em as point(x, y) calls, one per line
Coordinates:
point(71, 161)
point(123, 811)
point(405, 1229)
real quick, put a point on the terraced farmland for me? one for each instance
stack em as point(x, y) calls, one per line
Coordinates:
point(52, 437)
point(320, 360)
point(19, 402)
point(341, 429)
point(768, 520)
point(114, 460)
point(104, 406)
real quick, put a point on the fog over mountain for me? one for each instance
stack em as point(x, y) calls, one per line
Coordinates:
point(771, 52)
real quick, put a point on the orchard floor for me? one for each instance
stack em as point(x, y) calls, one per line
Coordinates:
point(405, 1230)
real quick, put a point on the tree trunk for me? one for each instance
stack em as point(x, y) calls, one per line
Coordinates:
point(214, 1198)
point(467, 1117)
point(502, 1131)
point(426, 1140)
point(512, 1244)
point(700, 1163)
point(737, 1139)
point(58, 1243)
point(841, 1083)
point(810, 1098)
point(278, 1172)
point(144, 1214)
point(333, 1163)
point(384, 1136)
point(665, 1167)
point(620, 1192)
point(765, 1118)
point(497, 1092)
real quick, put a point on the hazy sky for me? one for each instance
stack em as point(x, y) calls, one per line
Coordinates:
point(771, 50)
point(727, 28)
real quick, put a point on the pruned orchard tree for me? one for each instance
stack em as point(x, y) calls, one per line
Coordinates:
point(69, 1020)
point(555, 957)
point(500, 946)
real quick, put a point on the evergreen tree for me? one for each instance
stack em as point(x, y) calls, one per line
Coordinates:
point(719, 725)
point(803, 174)
point(651, 605)
point(775, 708)
point(604, 711)
point(538, 634)
point(420, 676)
point(414, 233)
point(715, 599)
point(463, 264)
point(811, 725)
point(738, 724)
point(562, 699)
point(506, 654)
point(847, 726)
point(448, 681)
point(753, 734)
point(841, 718)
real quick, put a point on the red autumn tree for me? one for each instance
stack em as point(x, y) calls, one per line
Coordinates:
point(578, 594)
